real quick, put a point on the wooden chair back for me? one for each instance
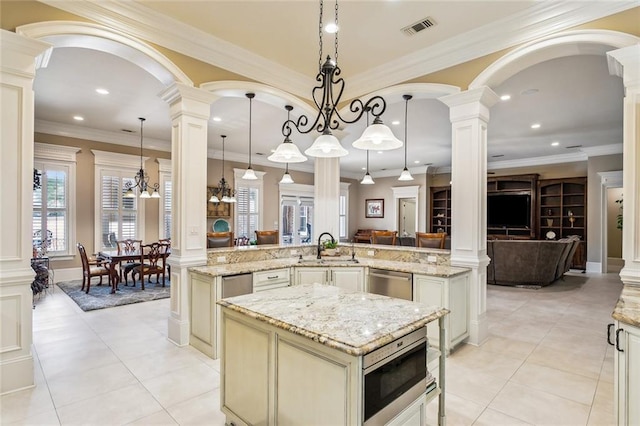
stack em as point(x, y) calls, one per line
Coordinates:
point(267, 237)
point(431, 239)
point(129, 246)
point(91, 268)
point(220, 239)
point(384, 237)
point(152, 261)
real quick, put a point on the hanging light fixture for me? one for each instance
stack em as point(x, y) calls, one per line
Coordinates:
point(367, 179)
point(406, 174)
point(141, 178)
point(287, 151)
point(286, 177)
point(223, 192)
point(377, 136)
point(249, 174)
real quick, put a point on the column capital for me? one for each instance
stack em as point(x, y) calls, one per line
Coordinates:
point(625, 63)
point(191, 100)
point(473, 103)
point(18, 53)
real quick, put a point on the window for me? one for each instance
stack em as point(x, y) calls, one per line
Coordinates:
point(165, 203)
point(343, 209)
point(249, 205)
point(117, 217)
point(296, 207)
point(53, 219)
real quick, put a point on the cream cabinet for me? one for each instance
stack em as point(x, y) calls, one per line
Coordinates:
point(205, 291)
point(627, 373)
point(451, 293)
point(413, 415)
point(347, 277)
point(268, 280)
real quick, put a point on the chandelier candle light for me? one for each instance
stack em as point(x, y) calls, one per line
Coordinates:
point(250, 174)
point(377, 136)
point(406, 174)
point(142, 178)
point(223, 192)
point(286, 177)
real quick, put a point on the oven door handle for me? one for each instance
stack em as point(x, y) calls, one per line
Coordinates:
point(395, 355)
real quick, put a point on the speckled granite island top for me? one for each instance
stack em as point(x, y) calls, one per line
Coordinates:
point(628, 307)
point(353, 322)
point(265, 265)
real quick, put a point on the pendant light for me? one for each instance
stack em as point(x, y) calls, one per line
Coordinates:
point(141, 178)
point(367, 179)
point(249, 174)
point(287, 151)
point(286, 177)
point(223, 192)
point(405, 175)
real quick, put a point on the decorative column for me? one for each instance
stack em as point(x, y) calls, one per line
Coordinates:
point(326, 216)
point(17, 71)
point(190, 110)
point(469, 114)
point(625, 63)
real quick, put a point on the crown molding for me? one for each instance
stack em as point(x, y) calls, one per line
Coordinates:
point(114, 159)
point(139, 21)
point(47, 151)
point(596, 151)
point(540, 20)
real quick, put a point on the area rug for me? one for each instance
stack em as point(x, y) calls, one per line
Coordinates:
point(100, 297)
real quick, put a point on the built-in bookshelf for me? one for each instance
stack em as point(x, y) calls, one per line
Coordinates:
point(440, 220)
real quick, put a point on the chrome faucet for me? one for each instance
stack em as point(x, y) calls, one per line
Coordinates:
point(320, 246)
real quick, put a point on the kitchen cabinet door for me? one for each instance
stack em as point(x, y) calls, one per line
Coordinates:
point(627, 374)
point(348, 278)
point(308, 275)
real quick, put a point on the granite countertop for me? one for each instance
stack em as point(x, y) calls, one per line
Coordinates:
point(265, 265)
point(353, 322)
point(627, 309)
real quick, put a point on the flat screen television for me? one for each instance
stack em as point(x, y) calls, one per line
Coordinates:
point(508, 210)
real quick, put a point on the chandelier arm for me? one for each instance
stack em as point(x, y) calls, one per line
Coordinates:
point(336, 33)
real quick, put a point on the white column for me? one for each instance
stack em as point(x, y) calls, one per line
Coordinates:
point(326, 215)
point(190, 109)
point(625, 63)
point(17, 71)
point(469, 114)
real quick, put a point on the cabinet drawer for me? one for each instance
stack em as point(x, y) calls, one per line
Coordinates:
point(263, 278)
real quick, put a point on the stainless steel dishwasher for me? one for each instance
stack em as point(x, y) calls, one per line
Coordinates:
point(236, 285)
point(391, 283)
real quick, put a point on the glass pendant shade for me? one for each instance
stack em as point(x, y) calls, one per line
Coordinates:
point(214, 199)
point(145, 194)
point(286, 178)
point(129, 194)
point(326, 146)
point(379, 137)
point(405, 175)
point(367, 179)
point(287, 152)
point(249, 174)
point(155, 194)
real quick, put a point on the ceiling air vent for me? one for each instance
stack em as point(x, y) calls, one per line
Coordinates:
point(574, 146)
point(416, 27)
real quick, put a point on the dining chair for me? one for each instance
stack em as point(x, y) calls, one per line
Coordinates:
point(384, 237)
point(125, 247)
point(431, 239)
point(152, 258)
point(167, 267)
point(267, 237)
point(91, 268)
point(219, 239)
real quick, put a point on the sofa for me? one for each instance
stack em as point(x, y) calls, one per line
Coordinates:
point(529, 263)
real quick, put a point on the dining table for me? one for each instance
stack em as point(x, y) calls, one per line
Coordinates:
point(113, 259)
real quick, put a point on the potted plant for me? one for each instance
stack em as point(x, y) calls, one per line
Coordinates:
point(330, 247)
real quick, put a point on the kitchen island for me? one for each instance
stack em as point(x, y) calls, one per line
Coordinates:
point(298, 355)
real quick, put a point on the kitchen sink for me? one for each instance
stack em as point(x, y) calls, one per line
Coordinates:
point(329, 260)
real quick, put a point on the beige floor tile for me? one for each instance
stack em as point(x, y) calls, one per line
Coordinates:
point(561, 383)
point(132, 347)
point(158, 363)
point(512, 348)
point(491, 417)
point(203, 409)
point(181, 385)
point(522, 331)
point(473, 385)
point(26, 403)
point(78, 386)
point(80, 360)
point(117, 407)
point(601, 417)
point(568, 360)
point(603, 399)
point(493, 364)
point(458, 411)
point(538, 407)
point(47, 418)
point(159, 418)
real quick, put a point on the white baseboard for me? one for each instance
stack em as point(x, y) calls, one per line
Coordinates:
point(67, 274)
point(615, 264)
point(594, 267)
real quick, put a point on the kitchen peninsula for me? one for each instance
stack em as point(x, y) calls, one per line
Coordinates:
point(319, 354)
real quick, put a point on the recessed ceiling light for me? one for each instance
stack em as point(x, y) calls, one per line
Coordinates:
point(535, 126)
point(364, 168)
point(78, 118)
point(529, 92)
point(395, 123)
point(379, 152)
point(331, 28)
point(217, 119)
point(102, 91)
point(417, 161)
point(505, 97)
point(273, 150)
point(556, 143)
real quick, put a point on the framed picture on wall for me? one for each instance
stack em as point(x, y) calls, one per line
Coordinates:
point(217, 209)
point(374, 208)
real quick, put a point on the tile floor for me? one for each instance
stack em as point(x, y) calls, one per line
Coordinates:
point(546, 362)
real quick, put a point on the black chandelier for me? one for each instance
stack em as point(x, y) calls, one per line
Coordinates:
point(223, 192)
point(327, 96)
point(142, 178)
